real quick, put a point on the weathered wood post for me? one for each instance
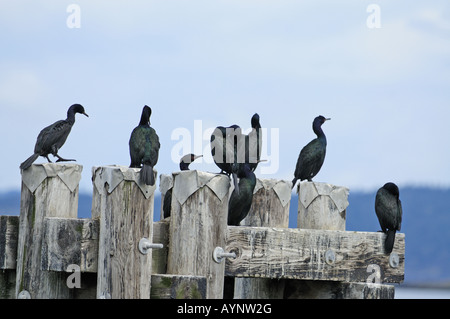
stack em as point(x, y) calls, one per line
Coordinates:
point(9, 234)
point(198, 225)
point(270, 208)
point(321, 206)
point(48, 190)
point(125, 208)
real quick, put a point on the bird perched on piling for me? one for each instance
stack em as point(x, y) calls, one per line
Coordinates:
point(388, 208)
point(224, 142)
point(53, 137)
point(312, 156)
point(144, 147)
point(240, 202)
point(185, 161)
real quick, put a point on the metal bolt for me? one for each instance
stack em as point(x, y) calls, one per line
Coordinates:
point(330, 257)
point(105, 295)
point(219, 254)
point(24, 295)
point(394, 260)
point(145, 245)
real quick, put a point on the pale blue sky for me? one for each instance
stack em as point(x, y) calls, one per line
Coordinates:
point(386, 89)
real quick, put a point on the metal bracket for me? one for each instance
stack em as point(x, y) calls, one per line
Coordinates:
point(219, 254)
point(145, 245)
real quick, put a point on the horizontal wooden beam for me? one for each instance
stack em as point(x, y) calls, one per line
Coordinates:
point(70, 241)
point(261, 251)
point(313, 255)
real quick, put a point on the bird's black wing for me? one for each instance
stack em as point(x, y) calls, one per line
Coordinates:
point(310, 160)
point(54, 135)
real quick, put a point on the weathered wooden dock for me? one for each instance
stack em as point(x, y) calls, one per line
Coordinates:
point(47, 252)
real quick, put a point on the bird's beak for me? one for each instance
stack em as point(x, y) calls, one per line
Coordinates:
point(327, 119)
point(197, 156)
point(86, 114)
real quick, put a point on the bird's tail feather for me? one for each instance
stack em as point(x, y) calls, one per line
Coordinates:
point(147, 176)
point(29, 161)
point(389, 242)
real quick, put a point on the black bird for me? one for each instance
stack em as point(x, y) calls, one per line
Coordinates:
point(224, 143)
point(185, 161)
point(388, 208)
point(253, 143)
point(311, 157)
point(144, 147)
point(53, 137)
point(240, 202)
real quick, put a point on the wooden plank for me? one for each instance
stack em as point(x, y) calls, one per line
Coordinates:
point(70, 242)
point(301, 254)
point(9, 234)
point(178, 287)
point(307, 289)
point(8, 284)
point(160, 236)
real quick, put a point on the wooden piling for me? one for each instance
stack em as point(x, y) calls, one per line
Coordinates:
point(48, 190)
point(125, 208)
point(270, 208)
point(198, 225)
point(322, 206)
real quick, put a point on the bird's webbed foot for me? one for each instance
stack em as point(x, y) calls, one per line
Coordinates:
point(60, 159)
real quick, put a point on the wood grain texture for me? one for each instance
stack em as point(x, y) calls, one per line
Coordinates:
point(178, 287)
point(126, 216)
point(267, 210)
point(52, 198)
point(306, 289)
point(70, 241)
point(300, 254)
point(196, 228)
point(321, 206)
point(9, 234)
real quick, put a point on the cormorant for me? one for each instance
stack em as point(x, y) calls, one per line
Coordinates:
point(311, 157)
point(53, 137)
point(224, 142)
point(253, 143)
point(144, 147)
point(240, 202)
point(388, 208)
point(185, 161)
